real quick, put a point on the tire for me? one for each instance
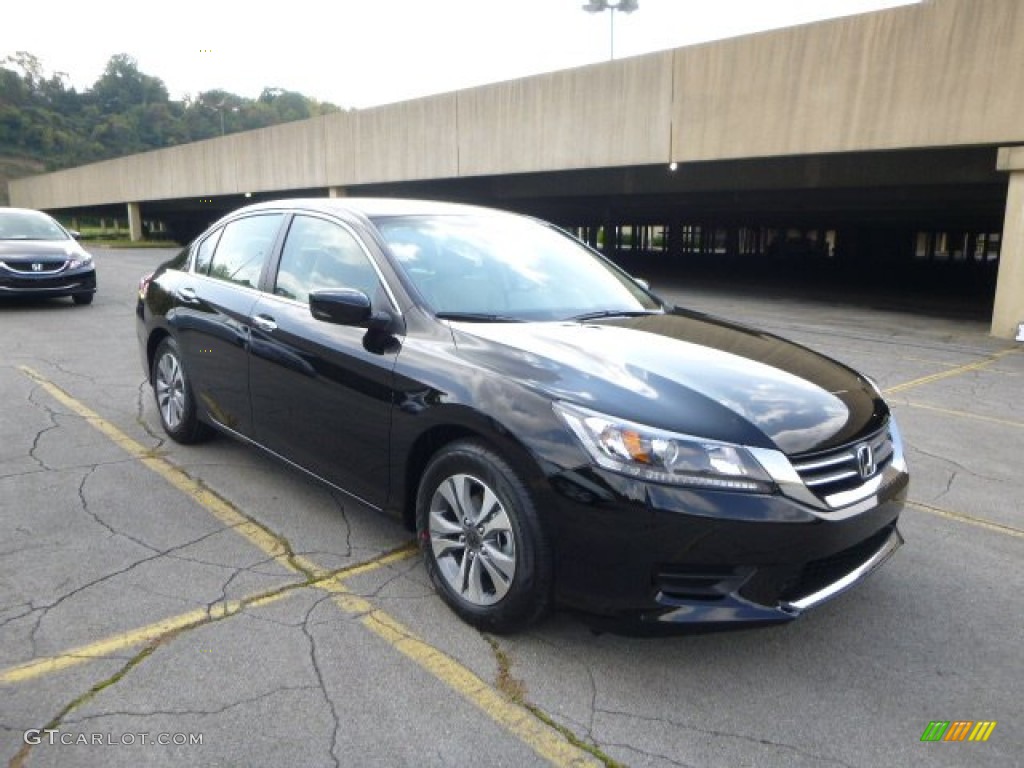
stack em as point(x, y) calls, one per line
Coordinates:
point(82, 298)
point(174, 399)
point(482, 542)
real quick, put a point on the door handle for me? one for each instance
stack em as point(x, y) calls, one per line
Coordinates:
point(264, 323)
point(188, 295)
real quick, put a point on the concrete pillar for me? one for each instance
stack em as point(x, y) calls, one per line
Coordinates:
point(337, 192)
point(134, 222)
point(1008, 310)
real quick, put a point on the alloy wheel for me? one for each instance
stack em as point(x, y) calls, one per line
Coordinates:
point(170, 390)
point(472, 539)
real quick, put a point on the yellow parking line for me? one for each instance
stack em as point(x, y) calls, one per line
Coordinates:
point(513, 717)
point(85, 653)
point(960, 517)
point(960, 414)
point(147, 634)
point(547, 742)
point(950, 373)
point(221, 509)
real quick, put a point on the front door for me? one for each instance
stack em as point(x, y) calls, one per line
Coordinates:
point(320, 398)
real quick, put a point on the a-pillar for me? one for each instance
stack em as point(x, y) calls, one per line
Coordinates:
point(1008, 310)
point(134, 222)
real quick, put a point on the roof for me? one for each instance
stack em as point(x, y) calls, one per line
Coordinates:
point(373, 207)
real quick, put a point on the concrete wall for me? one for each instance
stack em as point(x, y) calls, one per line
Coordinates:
point(942, 73)
point(603, 115)
point(411, 140)
point(945, 72)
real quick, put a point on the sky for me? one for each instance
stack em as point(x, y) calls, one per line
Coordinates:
point(362, 53)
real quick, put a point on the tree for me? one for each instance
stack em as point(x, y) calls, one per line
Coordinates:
point(45, 120)
point(122, 86)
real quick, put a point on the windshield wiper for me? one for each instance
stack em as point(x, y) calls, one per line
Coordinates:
point(613, 313)
point(476, 317)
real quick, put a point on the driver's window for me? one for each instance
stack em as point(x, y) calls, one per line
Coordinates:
point(321, 254)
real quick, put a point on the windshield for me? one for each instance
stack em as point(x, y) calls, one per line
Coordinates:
point(503, 267)
point(29, 225)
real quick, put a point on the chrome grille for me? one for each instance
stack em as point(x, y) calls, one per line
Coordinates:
point(46, 266)
point(830, 472)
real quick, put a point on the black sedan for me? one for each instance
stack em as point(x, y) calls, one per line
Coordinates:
point(550, 428)
point(39, 258)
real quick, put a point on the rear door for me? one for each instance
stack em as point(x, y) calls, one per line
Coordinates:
point(320, 398)
point(211, 318)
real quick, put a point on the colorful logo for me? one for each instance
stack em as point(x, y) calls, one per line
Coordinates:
point(958, 730)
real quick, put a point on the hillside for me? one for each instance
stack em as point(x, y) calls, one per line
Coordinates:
point(46, 125)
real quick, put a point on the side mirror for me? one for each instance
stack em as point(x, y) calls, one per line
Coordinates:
point(341, 307)
point(75, 234)
point(347, 306)
point(642, 283)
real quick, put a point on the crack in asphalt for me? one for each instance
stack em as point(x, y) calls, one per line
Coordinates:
point(712, 732)
point(190, 711)
point(45, 609)
point(99, 521)
point(211, 617)
point(310, 574)
point(651, 755)
point(236, 572)
point(140, 418)
point(11, 619)
point(514, 690)
point(335, 497)
point(71, 467)
point(18, 761)
point(593, 702)
point(69, 372)
point(39, 471)
point(958, 465)
point(949, 485)
point(314, 661)
point(397, 574)
point(52, 415)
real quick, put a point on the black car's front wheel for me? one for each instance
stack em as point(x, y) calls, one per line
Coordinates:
point(482, 542)
point(174, 399)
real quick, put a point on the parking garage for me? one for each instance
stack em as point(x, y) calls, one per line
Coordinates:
point(878, 151)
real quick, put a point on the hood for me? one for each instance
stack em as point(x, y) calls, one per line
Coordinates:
point(688, 373)
point(32, 250)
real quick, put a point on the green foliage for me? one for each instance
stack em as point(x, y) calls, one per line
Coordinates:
point(125, 111)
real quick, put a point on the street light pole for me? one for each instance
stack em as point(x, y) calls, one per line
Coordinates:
point(597, 6)
point(219, 109)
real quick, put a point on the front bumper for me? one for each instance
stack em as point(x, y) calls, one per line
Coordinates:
point(53, 285)
point(658, 556)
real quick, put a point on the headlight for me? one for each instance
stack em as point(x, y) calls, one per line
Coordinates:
point(899, 460)
point(658, 456)
point(81, 260)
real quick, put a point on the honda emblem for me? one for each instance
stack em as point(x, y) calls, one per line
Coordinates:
point(865, 461)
